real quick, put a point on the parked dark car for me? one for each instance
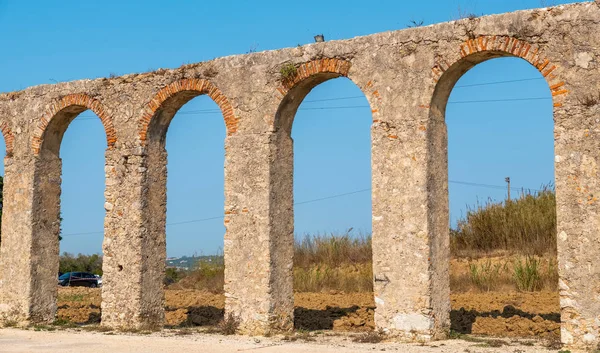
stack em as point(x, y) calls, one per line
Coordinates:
point(80, 279)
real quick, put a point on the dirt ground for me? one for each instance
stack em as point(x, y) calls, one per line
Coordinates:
point(81, 341)
point(499, 314)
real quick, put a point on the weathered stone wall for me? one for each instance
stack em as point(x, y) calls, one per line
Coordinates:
point(405, 75)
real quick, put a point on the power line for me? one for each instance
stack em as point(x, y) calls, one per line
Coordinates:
point(333, 99)
point(332, 197)
point(210, 111)
point(501, 100)
point(221, 217)
point(195, 220)
point(500, 187)
point(217, 111)
point(490, 186)
point(499, 82)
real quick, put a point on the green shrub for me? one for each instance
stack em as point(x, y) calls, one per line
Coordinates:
point(173, 275)
point(486, 276)
point(527, 274)
point(288, 71)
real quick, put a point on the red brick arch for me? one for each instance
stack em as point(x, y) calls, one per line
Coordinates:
point(9, 138)
point(79, 100)
point(314, 67)
point(200, 86)
point(511, 47)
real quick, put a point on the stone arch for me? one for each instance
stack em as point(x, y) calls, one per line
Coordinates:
point(447, 70)
point(311, 68)
point(184, 90)
point(152, 130)
point(9, 138)
point(308, 75)
point(445, 74)
point(288, 97)
point(53, 124)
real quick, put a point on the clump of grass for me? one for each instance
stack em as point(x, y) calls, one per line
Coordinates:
point(43, 328)
point(525, 226)
point(97, 328)
point(550, 278)
point(527, 275)
point(590, 100)
point(63, 322)
point(370, 337)
point(10, 323)
point(486, 276)
point(229, 325)
point(288, 71)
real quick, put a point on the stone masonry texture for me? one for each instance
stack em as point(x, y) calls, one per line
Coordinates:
point(406, 76)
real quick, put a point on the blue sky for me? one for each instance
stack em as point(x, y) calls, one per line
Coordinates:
point(46, 42)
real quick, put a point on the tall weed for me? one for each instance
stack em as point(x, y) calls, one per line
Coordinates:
point(527, 274)
point(485, 276)
point(332, 250)
point(526, 225)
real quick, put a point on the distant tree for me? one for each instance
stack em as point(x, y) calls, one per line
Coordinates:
point(81, 263)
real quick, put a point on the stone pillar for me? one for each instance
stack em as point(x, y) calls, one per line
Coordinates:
point(410, 219)
point(259, 239)
point(134, 241)
point(577, 156)
point(30, 230)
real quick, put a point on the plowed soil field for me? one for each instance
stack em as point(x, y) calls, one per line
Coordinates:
point(504, 314)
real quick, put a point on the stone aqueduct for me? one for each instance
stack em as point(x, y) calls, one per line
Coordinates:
point(406, 76)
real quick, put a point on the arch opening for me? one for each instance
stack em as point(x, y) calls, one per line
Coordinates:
point(57, 127)
point(491, 120)
point(185, 206)
point(52, 126)
point(295, 96)
point(69, 184)
point(324, 174)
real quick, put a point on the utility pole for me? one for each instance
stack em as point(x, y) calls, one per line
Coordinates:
point(507, 179)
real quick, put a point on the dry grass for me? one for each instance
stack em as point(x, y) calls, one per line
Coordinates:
point(524, 226)
point(229, 325)
point(498, 246)
point(321, 263)
point(504, 273)
point(332, 250)
point(346, 277)
point(333, 262)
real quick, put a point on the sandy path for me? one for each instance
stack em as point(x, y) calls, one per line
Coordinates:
point(14, 340)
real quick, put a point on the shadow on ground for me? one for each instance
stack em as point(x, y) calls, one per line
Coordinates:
point(462, 320)
point(312, 320)
point(204, 316)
